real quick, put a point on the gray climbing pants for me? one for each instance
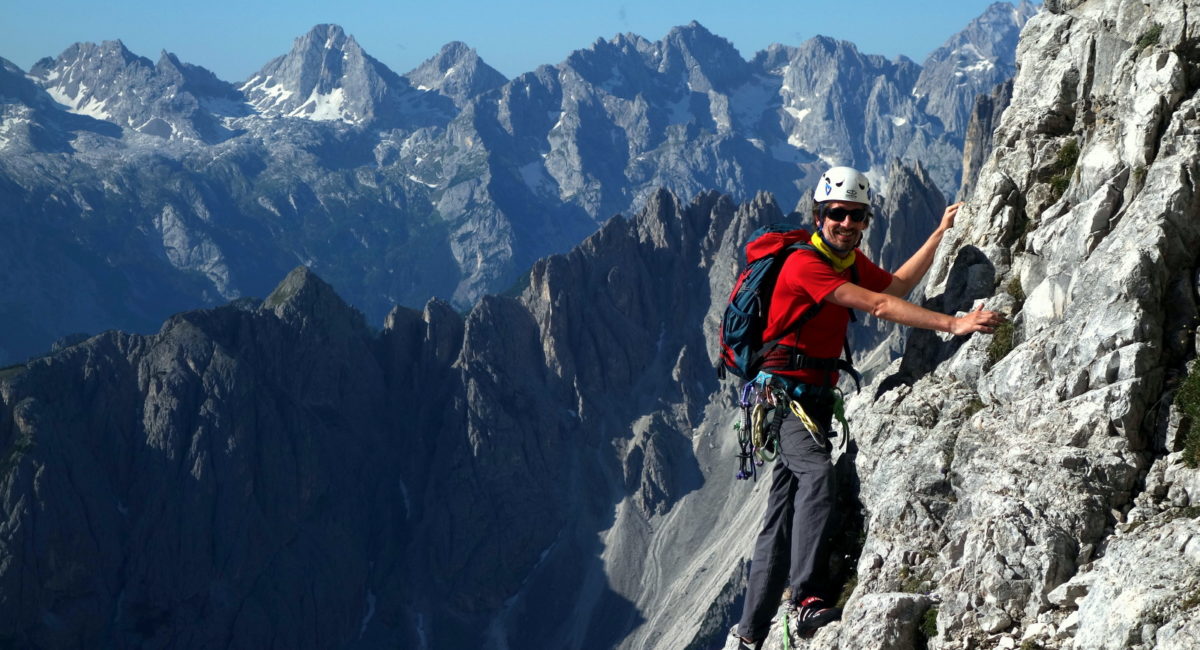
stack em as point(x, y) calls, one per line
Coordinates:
point(790, 549)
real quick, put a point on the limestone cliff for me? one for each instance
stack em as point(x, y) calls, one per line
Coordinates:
point(1030, 488)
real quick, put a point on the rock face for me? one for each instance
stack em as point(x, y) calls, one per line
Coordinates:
point(179, 190)
point(977, 145)
point(1033, 484)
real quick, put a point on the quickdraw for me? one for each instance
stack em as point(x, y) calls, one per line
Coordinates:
point(764, 406)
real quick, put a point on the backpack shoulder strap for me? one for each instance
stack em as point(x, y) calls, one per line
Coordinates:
point(804, 317)
point(809, 314)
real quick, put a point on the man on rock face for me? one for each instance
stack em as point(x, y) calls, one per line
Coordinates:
point(789, 551)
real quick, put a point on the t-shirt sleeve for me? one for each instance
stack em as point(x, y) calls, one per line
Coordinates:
point(870, 276)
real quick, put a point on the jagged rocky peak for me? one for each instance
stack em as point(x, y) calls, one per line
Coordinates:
point(977, 58)
point(457, 72)
point(327, 76)
point(215, 94)
point(630, 42)
point(304, 298)
point(910, 209)
point(88, 78)
point(710, 62)
point(307, 81)
point(31, 121)
point(170, 100)
point(855, 109)
point(435, 333)
point(824, 69)
point(688, 56)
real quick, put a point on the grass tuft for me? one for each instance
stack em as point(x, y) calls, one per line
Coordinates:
point(927, 629)
point(1017, 292)
point(1149, 37)
point(1003, 340)
point(1064, 168)
point(1187, 400)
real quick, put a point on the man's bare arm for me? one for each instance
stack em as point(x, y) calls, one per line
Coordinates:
point(898, 310)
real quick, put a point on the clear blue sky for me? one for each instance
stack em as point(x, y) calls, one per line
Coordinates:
point(234, 38)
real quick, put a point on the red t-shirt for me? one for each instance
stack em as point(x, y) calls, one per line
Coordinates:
point(806, 279)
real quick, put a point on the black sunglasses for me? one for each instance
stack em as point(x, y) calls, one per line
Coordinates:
point(857, 215)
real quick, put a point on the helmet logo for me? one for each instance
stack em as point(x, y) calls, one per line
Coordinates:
point(852, 193)
point(828, 187)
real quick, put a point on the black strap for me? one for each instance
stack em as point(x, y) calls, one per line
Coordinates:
point(797, 360)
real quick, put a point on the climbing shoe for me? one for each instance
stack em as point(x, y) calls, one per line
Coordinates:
point(743, 644)
point(811, 614)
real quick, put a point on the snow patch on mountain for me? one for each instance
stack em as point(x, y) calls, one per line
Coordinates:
point(752, 100)
point(77, 103)
point(536, 179)
point(797, 113)
point(325, 107)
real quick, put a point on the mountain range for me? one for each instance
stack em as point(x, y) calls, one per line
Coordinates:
point(132, 189)
point(554, 468)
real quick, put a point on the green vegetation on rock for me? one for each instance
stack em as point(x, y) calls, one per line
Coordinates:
point(974, 406)
point(1191, 601)
point(847, 590)
point(927, 629)
point(1064, 168)
point(1015, 290)
point(1187, 400)
point(1003, 340)
point(1149, 37)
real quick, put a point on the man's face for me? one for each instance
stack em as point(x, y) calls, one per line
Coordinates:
point(845, 233)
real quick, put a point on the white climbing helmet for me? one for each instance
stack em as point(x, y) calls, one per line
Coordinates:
point(843, 184)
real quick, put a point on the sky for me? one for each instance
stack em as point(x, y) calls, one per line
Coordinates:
point(235, 38)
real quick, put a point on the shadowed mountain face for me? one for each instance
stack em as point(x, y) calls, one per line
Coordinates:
point(133, 190)
point(434, 483)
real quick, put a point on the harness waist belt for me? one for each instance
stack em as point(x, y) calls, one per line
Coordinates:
point(786, 357)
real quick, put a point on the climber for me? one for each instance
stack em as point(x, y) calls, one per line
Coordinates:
point(789, 551)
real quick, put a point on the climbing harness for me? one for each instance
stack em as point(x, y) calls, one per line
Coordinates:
point(765, 402)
